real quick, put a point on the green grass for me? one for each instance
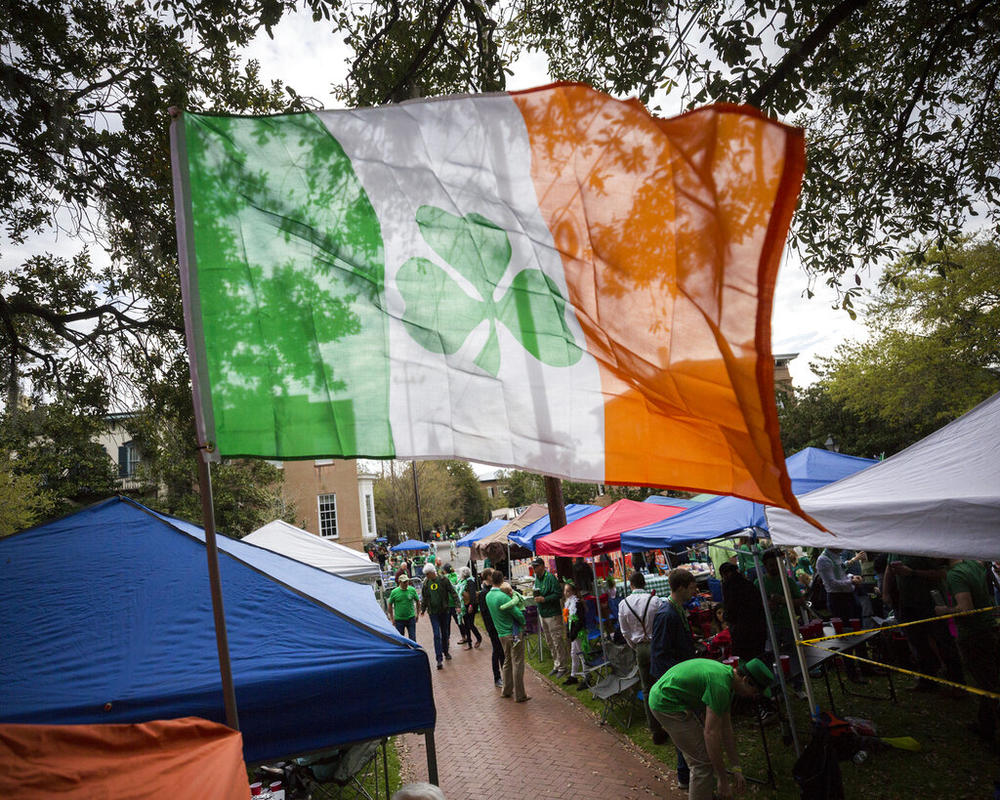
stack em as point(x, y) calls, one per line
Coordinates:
point(951, 765)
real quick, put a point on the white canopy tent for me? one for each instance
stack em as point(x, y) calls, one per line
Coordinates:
point(281, 537)
point(939, 497)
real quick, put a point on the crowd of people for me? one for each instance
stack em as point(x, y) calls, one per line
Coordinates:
point(689, 697)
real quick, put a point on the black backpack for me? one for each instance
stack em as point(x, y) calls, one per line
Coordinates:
point(817, 593)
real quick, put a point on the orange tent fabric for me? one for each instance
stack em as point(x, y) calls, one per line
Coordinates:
point(188, 757)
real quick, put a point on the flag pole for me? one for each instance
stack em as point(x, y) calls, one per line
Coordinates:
point(178, 160)
point(212, 554)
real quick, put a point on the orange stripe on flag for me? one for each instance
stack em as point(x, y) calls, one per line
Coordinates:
point(670, 233)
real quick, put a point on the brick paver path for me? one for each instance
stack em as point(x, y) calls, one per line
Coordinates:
point(549, 748)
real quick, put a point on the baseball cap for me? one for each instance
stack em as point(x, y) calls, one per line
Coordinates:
point(759, 675)
point(538, 561)
point(404, 578)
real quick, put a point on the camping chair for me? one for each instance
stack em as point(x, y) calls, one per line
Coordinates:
point(616, 690)
point(343, 774)
point(532, 629)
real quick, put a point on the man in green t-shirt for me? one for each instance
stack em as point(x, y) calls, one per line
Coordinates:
point(548, 598)
point(977, 637)
point(404, 603)
point(513, 647)
point(692, 701)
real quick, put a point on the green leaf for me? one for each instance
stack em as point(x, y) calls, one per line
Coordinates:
point(476, 247)
point(439, 314)
point(534, 311)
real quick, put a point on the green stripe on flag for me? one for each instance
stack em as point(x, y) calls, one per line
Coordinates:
point(291, 283)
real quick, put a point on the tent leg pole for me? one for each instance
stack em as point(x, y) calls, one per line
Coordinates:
point(774, 646)
point(600, 622)
point(432, 762)
point(385, 770)
point(813, 707)
point(212, 553)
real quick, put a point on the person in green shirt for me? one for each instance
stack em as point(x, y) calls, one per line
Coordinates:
point(404, 603)
point(977, 637)
point(548, 594)
point(692, 701)
point(436, 597)
point(513, 651)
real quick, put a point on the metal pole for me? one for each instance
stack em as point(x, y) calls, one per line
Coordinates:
point(212, 554)
point(813, 707)
point(597, 599)
point(432, 762)
point(774, 644)
point(416, 498)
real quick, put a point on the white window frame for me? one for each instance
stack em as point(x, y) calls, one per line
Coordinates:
point(330, 499)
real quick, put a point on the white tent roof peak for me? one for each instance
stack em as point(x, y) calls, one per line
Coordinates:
point(284, 538)
point(938, 497)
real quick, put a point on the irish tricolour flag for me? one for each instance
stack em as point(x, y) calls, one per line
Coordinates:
point(552, 279)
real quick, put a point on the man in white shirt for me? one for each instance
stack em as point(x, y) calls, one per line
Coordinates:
point(635, 616)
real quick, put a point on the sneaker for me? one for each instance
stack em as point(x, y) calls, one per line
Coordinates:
point(583, 685)
point(570, 681)
point(440, 665)
point(523, 700)
point(553, 671)
point(682, 785)
point(498, 684)
point(448, 656)
point(562, 673)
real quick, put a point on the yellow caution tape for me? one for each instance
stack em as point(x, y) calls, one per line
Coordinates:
point(897, 625)
point(972, 689)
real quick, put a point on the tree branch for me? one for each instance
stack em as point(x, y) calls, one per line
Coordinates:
point(424, 51)
point(794, 59)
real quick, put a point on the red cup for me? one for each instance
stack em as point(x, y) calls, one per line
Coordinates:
point(838, 624)
point(786, 665)
point(855, 624)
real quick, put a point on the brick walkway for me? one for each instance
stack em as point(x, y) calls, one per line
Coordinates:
point(549, 748)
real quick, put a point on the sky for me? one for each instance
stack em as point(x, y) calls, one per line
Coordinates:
point(303, 56)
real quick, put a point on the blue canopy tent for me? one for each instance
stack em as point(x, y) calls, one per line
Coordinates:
point(707, 520)
point(543, 526)
point(813, 467)
point(483, 530)
point(676, 502)
point(409, 544)
point(809, 469)
point(106, 619)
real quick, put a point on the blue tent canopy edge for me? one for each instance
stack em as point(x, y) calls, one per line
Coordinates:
point(809, 469)
point(107, 618)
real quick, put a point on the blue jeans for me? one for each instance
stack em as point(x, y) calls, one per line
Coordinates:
point(441, 625)
point(407, 627)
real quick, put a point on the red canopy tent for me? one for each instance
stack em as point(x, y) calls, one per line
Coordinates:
point(601, 532)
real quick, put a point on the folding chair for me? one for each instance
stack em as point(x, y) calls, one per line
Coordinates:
point(533, 631)
point(616, 690)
